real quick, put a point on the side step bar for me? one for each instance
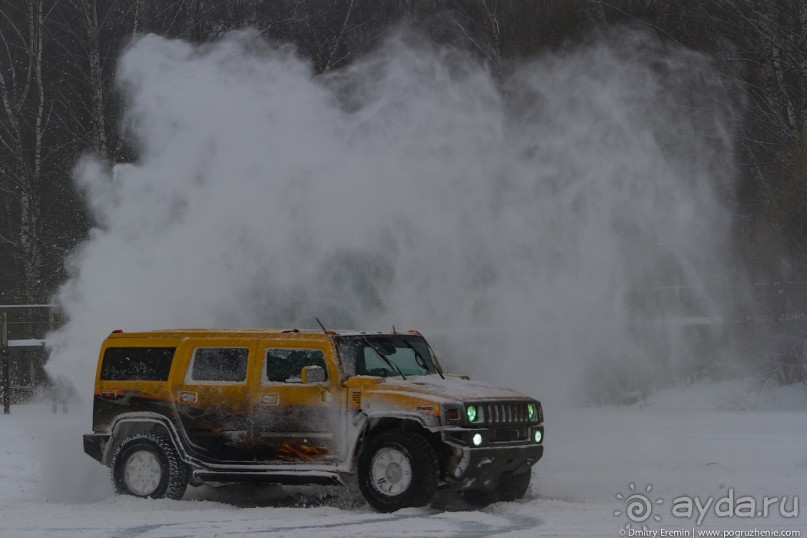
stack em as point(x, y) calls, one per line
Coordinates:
point(299, 478)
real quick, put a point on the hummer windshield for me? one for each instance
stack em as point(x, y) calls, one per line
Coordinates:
point(386, 355)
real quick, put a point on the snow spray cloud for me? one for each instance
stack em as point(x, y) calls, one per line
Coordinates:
point(507, 219)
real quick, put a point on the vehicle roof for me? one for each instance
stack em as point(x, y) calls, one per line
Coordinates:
point(303, 334)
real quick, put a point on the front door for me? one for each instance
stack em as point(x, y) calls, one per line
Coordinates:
point(296, 422)
point(213, 399)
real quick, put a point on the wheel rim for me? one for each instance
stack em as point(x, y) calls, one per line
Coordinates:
point(391, 471)
point(142, 473)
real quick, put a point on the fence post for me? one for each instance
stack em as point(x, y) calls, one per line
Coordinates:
point(4, 359)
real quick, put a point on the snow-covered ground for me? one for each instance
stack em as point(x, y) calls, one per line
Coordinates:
point(704, 441)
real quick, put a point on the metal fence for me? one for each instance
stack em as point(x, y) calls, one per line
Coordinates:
point(22, 350)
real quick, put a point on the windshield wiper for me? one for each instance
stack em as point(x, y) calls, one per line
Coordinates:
point(420, 360)
point(386, 358)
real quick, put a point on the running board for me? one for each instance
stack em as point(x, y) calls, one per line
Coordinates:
point(300, 478)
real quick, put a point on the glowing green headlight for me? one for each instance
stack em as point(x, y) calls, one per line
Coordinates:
point(471, 412)
point(531, 411)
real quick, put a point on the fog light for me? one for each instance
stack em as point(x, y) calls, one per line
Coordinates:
point(477, 439)
point(538, 436)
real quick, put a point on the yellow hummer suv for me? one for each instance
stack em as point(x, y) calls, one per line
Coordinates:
point(300, 407)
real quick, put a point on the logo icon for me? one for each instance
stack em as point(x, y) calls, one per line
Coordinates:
point(638, 507)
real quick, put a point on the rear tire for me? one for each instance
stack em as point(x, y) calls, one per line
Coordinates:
point(398, 469)
point(148, 465)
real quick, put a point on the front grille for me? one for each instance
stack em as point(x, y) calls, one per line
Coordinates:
point(504, 436)
point(505, 412)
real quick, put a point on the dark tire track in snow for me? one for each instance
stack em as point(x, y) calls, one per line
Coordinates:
point(511, 523)
point(517, 522)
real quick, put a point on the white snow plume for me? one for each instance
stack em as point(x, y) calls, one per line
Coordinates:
point(511, 220)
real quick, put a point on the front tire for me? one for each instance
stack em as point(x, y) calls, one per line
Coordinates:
point(398, 469)
point(148, 465)
point(478, 498)
point(511, 488)
point(514, 487)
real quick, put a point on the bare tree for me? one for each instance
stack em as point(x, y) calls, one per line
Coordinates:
point(22, 91)
point(89, 16)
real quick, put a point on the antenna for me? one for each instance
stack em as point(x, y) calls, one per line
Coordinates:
point(393, 329)
point(321, 325)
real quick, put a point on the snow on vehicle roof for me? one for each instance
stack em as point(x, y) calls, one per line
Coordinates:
point(291, 333)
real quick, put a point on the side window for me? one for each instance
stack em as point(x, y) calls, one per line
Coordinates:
point(286, 365)
point(218, 365)
point(137, 363)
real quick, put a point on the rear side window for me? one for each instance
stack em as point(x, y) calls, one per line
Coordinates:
point(218, 364)
point(137, 363)
point(286, 365)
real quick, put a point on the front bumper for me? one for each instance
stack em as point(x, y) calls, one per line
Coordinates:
point(484, 466)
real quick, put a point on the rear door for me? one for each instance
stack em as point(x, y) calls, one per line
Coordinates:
point(133, 377)
point(293, 421)
point(212, 398)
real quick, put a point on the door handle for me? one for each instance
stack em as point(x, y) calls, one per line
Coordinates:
point(270, 399)
point(187, 397)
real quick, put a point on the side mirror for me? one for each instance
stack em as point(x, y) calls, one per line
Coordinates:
point(312, 374)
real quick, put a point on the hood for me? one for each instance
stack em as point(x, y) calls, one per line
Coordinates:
point(447, 390)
